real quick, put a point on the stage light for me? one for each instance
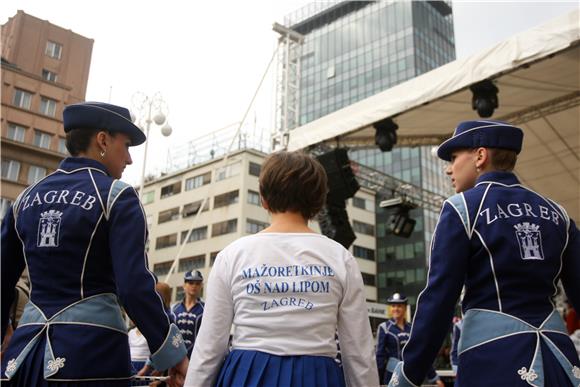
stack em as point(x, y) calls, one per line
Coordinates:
point(386, 134)
point(484, 98)
point(400, 224)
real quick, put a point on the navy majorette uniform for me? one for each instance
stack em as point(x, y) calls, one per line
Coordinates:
point(391, 340)
point(509, 246)
point(455, 337)
point(189, 321)
point(82, 236)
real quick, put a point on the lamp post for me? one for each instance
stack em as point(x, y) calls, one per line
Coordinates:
point(144, 106)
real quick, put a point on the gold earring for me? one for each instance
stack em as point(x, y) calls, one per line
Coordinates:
point(103, 153)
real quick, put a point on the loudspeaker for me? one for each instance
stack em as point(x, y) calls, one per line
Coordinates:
point(333, 221)
point(342, 183)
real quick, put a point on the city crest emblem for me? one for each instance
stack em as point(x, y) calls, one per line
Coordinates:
point(530, 240)
point(49, 229)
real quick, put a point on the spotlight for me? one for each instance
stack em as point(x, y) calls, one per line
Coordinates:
point(484, 98)
point(400, 224)
point(386, 134)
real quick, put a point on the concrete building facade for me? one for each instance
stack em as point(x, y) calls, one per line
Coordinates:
point(44, 68)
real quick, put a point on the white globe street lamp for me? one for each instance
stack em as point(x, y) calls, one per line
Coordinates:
point(144, 106)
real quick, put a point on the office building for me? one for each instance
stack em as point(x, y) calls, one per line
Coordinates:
point(355, 49)
point(44, 68)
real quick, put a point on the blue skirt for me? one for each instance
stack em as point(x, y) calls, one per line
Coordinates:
point(31, 374)
point(260, 369)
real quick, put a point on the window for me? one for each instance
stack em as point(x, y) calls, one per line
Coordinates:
point(254, 226)
point(10, 169)
point(363, 228)
point(166, 241)
point(179, 293)
point(162, 268)
point(368, 279)
point(197, 234)
point(363, 252)
point(22, 99)
point(197, 181)
point(228, 171)
point(47, 106)
point(212, 257)
point(170, 190)
point(42, 139)
point(225, 227)
point(191, 263)
point(193, 208)
point(226, 199)
point(148, 197)
point(49, 75)
point(4, 207)
point(168, 215)
point(62, 146)
point(16, 132)
point(359, 203)
point(35, 173)
point(53, 49)
point(254, 169)
point(253, 197)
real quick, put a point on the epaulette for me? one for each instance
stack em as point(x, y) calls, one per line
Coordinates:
point(458, 202)
point(116, 189)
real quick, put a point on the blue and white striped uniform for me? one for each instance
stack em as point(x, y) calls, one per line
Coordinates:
point(82, 236)
point(509, 246)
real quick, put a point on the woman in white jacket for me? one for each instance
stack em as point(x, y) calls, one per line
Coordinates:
point(286, 290)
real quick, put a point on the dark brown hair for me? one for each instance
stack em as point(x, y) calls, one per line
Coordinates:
point(293, 181)
point(503, 159)
point(78, 140)
point(164, 291)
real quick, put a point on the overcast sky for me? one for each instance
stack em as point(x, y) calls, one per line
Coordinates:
point(207, 58)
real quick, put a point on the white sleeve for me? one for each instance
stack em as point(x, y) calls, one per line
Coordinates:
point(212, 341)
point(354, 331)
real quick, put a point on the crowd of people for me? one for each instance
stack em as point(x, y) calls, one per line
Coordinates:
point(278, 302)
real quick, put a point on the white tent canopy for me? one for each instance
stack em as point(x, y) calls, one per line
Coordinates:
point(537, 73)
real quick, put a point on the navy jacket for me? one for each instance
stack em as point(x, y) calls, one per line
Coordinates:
point(509, 246)
point(82, 236)
point(391, 340)
point(189, 322)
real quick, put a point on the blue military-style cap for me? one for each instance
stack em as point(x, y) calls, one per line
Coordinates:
point(397, 298)
point(100, 115)
point(482, 133)
point(193, 275)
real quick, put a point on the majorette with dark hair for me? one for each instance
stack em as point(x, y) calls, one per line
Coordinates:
point(286, 290)
point(82, 232)
point(189, 311)
point(509, 246)
point(392, 335)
